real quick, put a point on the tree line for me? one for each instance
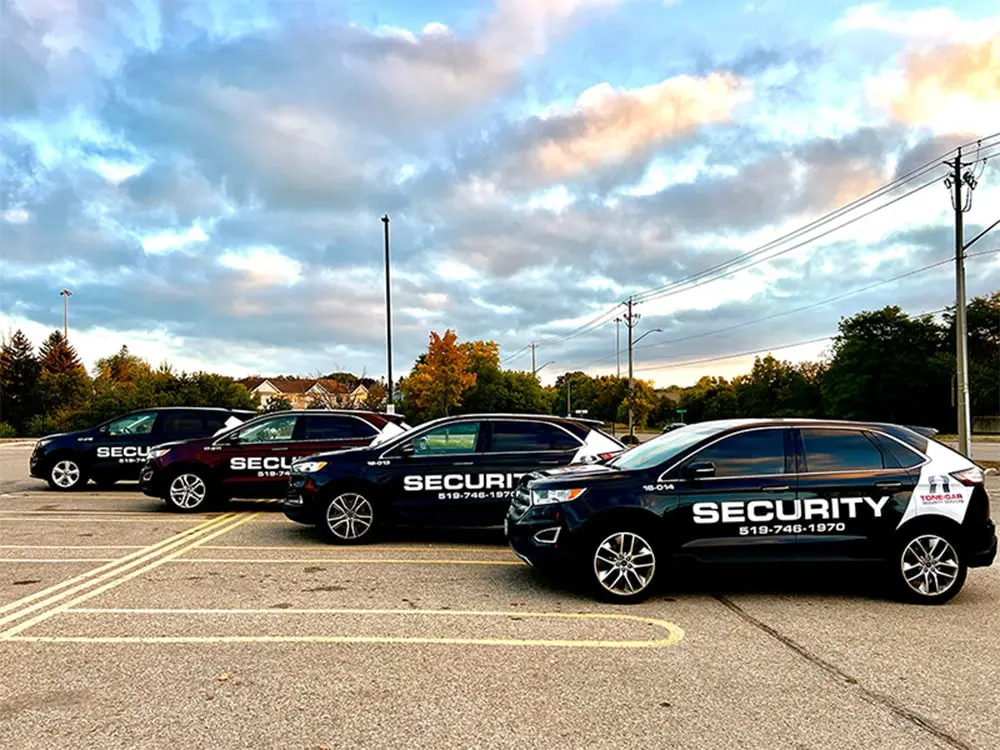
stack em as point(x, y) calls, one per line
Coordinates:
point(51, 391)
point(883, 365)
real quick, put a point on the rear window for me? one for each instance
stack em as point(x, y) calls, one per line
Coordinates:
point(517, 437)
point(898, 453)
point(840, 450)
point(183, 423)
point(327, 427)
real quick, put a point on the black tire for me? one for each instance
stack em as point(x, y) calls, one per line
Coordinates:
point(622, 564)
point(349, 516)
point(66, 474)
point(188, 491)
point(928, 566)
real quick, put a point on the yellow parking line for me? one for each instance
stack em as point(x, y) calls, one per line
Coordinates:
point(674, 634)
point(377, 547)
point(164, 519)
point(348, 560)
point(55, 560)
point(70, 546)
point(103, 571)
point(225, 525)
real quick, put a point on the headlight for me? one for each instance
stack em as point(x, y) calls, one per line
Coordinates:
point(308, 467)
point(550, 497)
point(157, 452)
point(43, 443)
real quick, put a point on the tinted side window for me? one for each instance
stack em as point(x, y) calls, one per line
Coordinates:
point(362, 429)
point(183, 423)
point(516, 437)
point(270, 430)
point(747, 454)
point(840, 450)
point(327, 428)
point(133, 424)
point(460, 438)
point(900, 454)
point(214, 421)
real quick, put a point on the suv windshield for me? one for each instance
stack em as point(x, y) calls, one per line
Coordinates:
point(661, 449)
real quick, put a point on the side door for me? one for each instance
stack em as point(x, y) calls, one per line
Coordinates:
point(517, 447)
point(319, 433)
point(255, 459)
point(120, 449)
point(853, 493)
point(431, 478)
point(737, 498)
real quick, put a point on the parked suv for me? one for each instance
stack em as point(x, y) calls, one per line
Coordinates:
point(253, 460)
point(116, 449)
point(456, 471)
point(775, 491)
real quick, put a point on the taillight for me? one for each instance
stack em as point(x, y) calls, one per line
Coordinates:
point(606, 456)
point(969, 477)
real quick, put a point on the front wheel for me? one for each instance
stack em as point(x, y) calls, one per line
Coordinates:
point(623, 566)
point(349, 518)
point(66, 475)
point(929, 568)
point(187, 492)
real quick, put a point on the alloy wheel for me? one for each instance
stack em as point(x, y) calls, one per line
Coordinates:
point(188, 491)
point(624, 563)
point(66, 474)
point(349, 516)
point(930, 565)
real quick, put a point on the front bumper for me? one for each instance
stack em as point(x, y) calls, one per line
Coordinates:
point(151, 478)
point(539, 537)
point(37, 465)
point(299, 503)
point(983, 550)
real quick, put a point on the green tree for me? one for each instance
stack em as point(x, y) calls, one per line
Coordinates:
point(777, 389)
point(710, 398)
point(20, 372)
point(121, 367)
point(64, 383)
point(888, 366)
point(278, 403)
point(983, 324)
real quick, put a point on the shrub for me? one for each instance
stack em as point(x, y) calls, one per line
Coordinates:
point(7, 430)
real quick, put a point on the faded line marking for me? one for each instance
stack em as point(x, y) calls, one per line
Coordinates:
point(328, 548)
point(55, 560)
point(44, 519)
point(220, 527)
point(105, 570)
point(69, 546)
point(674, 634)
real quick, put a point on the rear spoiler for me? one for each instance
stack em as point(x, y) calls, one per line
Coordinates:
point(394, 418)
point(591, 422)
point(927, 432)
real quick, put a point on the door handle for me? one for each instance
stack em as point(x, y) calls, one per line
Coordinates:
point(275, 450)
point(888, 485)
point(776, 488)
point(550, 463)
point(463, 463)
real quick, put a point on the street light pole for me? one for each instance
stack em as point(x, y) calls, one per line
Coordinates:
point(631, 346)
point(66, 294)
point(618, 345)
point(390, 406)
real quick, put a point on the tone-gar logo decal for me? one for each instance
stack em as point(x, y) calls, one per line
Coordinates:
point(940, 491)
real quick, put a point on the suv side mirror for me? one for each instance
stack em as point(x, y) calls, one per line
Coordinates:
point(699, 470)
point(406, 449)
point(103, 429)
point(232, 438)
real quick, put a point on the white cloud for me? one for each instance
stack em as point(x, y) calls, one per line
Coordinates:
point(167, 241)
point(263, 266)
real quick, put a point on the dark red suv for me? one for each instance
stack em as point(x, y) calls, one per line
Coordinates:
point(253, 459)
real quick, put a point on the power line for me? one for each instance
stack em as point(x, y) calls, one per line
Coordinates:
point(813, 305)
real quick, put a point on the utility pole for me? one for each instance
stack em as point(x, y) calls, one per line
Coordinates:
point(390, 406)
point(631, 320)
point(66, 294)
point(618, 344)
point(568, 412)
point(532, 356)
point(961, 205)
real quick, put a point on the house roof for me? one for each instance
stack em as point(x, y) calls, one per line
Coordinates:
point(297, 386)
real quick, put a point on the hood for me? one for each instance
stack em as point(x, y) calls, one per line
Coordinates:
point(357, 452)
point(194, 442)
point(589, 472)
point(64, 435)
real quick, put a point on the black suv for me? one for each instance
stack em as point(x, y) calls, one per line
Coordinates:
point(741, 491)
point(457, 471)
point(116, 449)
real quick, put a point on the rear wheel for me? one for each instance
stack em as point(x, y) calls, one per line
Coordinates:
point(623, 565)
point(349, 518)
point(66, 475)
point(187, 492)
point(929, 567)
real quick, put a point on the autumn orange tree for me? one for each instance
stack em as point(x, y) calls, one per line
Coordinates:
point(441, 378)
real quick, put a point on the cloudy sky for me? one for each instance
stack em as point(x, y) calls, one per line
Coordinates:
point(208, 177)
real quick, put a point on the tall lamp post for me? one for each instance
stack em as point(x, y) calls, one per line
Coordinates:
point(390, 406)
point(631, 382)
point(66, 294)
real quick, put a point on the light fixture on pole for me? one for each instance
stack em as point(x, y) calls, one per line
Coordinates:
point(535, 371)
point(390, 406)
point(66, 294)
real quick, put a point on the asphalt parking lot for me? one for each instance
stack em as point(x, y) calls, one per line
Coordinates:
point(123, 626)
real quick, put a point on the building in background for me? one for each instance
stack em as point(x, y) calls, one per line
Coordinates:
point(303, 393)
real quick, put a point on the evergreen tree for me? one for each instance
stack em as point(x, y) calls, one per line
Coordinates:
point(64, 382)
point(19, 379)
